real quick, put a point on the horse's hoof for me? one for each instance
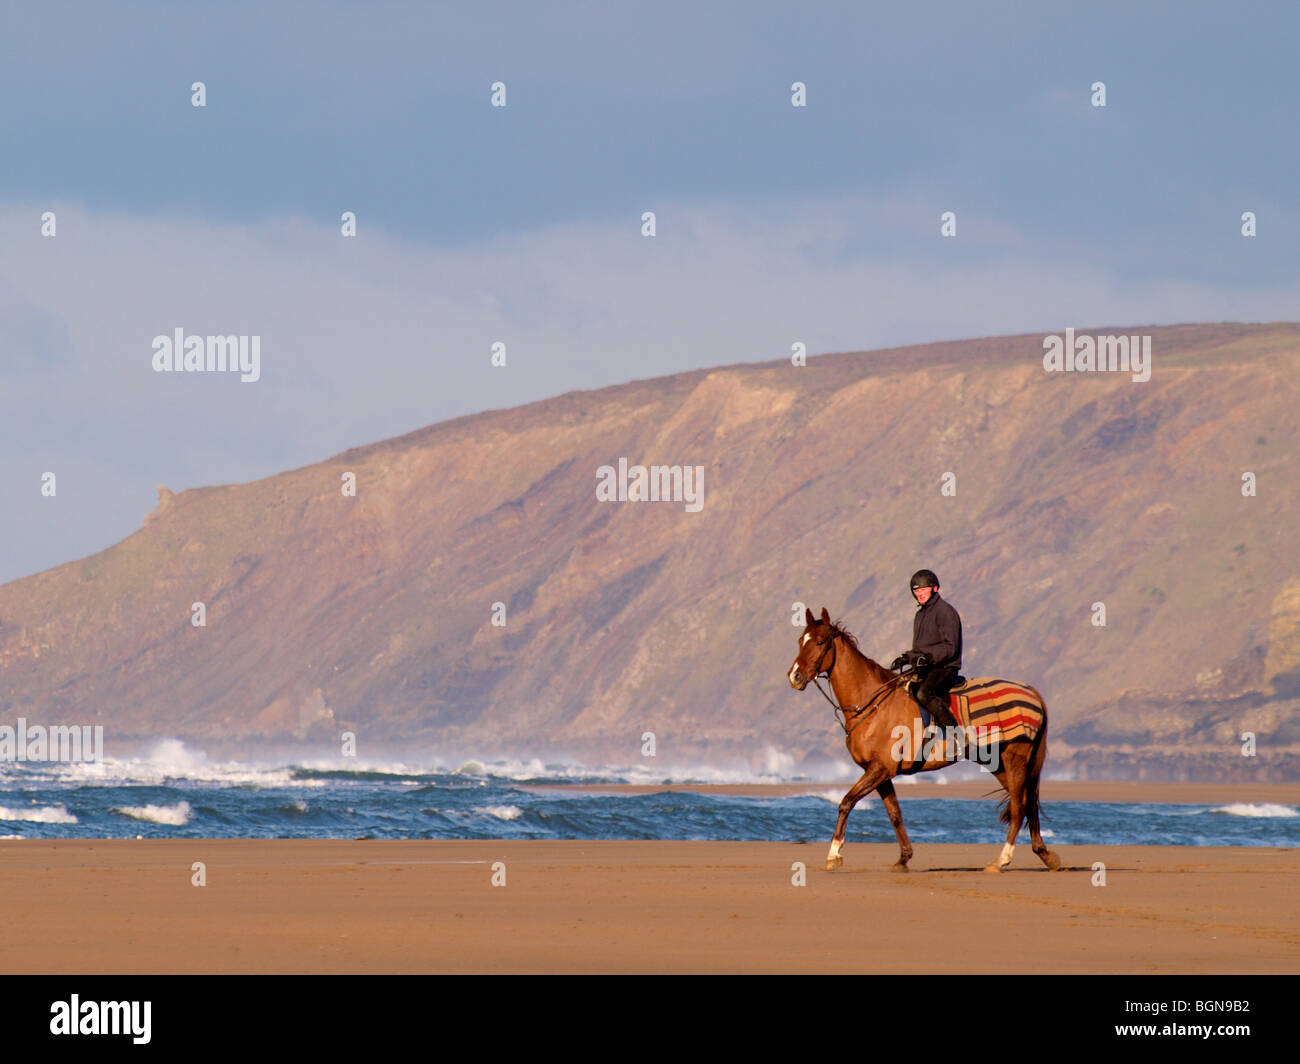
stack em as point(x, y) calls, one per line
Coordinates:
point(1053, 861)
point(993, 868)
point(833, 863)
point(900, 867)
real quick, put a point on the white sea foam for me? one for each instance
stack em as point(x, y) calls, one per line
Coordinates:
point(175, 815)
point(835, 796)
point(46, 814)
point(378, 767)
point(514, 769)
point(769, 766)
point(774, 762)
point(830, 796)
point(502, 812)
point(170, 759)
point(1260, 809)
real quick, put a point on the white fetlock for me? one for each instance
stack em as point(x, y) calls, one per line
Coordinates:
point(1005, 858)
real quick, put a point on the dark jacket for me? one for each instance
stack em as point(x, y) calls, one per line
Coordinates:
point(936, 633)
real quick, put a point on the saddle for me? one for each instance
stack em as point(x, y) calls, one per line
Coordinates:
point(953, 692)
point(990, 705)
point(927, 718)
point(955, 689)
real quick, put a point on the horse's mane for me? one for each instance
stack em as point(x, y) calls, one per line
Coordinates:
point(838, 629)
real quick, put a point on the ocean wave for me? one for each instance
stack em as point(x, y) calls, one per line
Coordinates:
point(833, 797)
point(47, 814)
point(360, 768)
point(170, 759)
point(770, 765)
point(533, 769)
point(1260, 809)
point(176, 815)
point(501, 812)
point(317, 777)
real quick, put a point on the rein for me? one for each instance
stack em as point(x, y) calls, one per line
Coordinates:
point(859, 712)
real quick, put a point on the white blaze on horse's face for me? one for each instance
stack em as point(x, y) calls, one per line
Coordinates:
point(804, 640)
point(790, 676)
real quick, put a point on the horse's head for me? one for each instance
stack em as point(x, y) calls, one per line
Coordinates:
point(814, 649)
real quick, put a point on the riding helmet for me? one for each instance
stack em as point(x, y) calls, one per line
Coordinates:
point(923, 578)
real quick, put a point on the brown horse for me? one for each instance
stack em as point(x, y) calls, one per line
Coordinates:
point(879, 719)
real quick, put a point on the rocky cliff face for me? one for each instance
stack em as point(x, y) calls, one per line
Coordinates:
point(822, 484)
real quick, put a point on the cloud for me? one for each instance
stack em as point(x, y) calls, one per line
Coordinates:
point(34, 339)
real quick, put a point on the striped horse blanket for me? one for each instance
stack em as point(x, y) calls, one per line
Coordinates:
point(986, 704)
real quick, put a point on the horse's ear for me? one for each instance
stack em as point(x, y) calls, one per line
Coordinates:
point(826, 617)
point(809, 617)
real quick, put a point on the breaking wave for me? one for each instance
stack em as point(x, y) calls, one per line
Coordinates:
point(1256, 809)
point(49, 814)
point(176, 815)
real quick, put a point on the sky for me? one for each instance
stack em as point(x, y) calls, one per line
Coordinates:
point(522, 224)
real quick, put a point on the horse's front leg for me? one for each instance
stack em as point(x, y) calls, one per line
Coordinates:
point(890, 799)
point(865, 785)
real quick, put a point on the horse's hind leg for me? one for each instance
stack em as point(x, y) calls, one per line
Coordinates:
point(887, 795)
point(1048, 857)
point(1032, 782)
point(1012, 778)
point(865, 785)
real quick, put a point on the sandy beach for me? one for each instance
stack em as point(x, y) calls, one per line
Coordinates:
point(323, 906)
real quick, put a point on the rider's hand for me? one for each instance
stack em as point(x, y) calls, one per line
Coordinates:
point(898, 663)
point(921, 662)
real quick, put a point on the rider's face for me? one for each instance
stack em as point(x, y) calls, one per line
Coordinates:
point(922, 594)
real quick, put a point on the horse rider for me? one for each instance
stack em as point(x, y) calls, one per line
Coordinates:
point(936, 647)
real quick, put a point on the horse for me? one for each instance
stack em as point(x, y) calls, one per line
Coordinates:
point(879, 720)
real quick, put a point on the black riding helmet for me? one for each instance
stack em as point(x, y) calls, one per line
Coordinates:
point(923, 578)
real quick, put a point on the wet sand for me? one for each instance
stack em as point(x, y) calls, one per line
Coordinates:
point(296, 906)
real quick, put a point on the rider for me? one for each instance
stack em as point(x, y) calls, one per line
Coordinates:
point(936, 647)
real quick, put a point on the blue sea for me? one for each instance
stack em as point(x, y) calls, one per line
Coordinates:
point(175, 792)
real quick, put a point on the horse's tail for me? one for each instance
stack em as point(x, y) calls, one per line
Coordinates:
point(1037, 757)
point(1033, 768)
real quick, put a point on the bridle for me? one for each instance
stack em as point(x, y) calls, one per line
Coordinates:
point(860, 712)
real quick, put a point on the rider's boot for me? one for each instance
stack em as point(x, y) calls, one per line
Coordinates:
point(941, 710)
point(941, 714)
